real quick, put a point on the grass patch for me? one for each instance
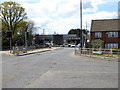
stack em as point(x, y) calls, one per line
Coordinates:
point(102, 55)
point(110, 56)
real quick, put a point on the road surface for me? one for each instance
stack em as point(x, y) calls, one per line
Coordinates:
point(58, 69)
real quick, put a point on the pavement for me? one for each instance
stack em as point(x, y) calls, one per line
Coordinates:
point(117, 58)
point(29, 52)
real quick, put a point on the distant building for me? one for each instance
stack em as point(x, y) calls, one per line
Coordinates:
point(57, 39)
point(107, 32)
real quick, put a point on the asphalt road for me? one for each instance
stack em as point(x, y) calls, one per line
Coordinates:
point(58, 69)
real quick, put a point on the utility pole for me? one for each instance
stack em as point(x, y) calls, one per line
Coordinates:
point(80, 32)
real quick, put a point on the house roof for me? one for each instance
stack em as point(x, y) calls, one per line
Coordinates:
point(105, 25)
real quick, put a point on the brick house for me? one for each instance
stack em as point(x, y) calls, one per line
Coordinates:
point(107, 32)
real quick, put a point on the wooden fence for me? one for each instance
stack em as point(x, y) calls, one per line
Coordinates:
point(104, 53)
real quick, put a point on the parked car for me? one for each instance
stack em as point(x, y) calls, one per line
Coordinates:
point(69, 45)
point(79, 45)
point(73, 45)
point(61, 45)
point(37, 46)
point(65, 45)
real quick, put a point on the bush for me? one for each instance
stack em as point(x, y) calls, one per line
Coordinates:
point(88, 45)
point(5, 47)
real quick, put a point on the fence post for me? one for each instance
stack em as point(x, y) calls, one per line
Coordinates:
point(104, 53)
point(80, 51)
point(111, 52)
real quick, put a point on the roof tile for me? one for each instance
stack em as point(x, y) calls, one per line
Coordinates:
point(105, 25)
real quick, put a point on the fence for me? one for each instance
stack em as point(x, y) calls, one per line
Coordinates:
point(104, 53)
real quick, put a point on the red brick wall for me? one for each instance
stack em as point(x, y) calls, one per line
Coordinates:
point(92, 36)
point(107, 39)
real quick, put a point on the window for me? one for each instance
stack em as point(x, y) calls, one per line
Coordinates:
point(98, 34)
point(111, 45)
point(112, 34)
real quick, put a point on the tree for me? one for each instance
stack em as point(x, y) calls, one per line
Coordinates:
point(19, 34)
point(11, 14)
point(97, 43)
point(76, 31)
point(31, 29)
point(0, 35)
point(73, 31)
point(83, 34)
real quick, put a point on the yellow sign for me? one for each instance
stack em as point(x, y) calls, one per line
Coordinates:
point(16, 51)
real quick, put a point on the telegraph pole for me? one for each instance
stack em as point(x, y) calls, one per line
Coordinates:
point(80, 32)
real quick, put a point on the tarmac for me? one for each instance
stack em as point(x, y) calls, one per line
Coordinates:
point(55, 48)
point(28, 52)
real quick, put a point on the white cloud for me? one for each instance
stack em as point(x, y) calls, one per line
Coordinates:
point(100, 15)
point(62, 15)
point(16, 0)
point(64, 25)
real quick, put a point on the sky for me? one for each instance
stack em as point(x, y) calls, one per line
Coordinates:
point(62, 15)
